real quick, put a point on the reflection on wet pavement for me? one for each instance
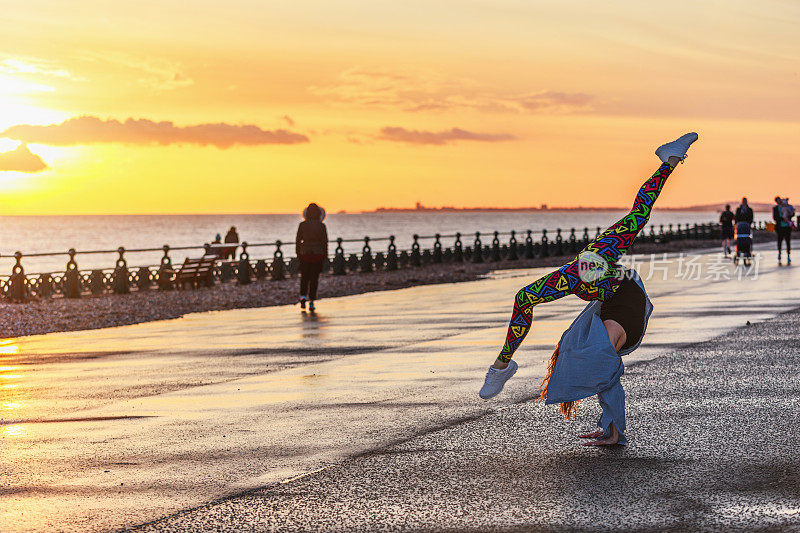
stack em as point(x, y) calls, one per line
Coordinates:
point(115, 427)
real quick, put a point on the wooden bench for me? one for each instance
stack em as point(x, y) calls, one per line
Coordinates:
point(223, 250)
point(197, 272)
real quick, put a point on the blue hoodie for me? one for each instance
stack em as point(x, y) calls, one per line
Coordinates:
point(588, 364)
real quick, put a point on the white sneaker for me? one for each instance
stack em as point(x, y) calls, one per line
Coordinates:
point(496, 379)
point(676, 148)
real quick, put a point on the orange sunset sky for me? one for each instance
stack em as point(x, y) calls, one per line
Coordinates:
point(260, 107)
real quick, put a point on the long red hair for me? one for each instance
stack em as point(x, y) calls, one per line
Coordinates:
point(568, 409)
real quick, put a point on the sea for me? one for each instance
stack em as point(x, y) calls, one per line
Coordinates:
point(106, 233)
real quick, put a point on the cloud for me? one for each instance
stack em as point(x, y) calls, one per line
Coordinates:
point(21, 159)
point(554, 100)
point(289, 120)
point(33, 66)
point(92, 130)
point(156, 73)
point(430, 91)
point(398, 134)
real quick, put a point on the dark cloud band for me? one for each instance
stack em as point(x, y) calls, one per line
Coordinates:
point(93, 130)
point(393, 133)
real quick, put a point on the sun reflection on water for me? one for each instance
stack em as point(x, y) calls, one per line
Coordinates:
point(12, 431)
point(8, 347)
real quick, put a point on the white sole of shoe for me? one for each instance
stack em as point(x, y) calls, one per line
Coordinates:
point(676, 148)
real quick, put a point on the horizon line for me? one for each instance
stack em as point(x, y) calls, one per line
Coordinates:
point(380, 209)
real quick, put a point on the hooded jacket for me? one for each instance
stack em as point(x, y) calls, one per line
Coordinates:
point(588, 364)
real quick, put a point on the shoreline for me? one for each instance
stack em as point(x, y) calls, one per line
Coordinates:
point(38, 317)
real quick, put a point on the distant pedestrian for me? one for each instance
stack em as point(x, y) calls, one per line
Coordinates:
point(782, 214)
point(231, 237)
point(726, 221)
point(744, 213)
point(311, 246)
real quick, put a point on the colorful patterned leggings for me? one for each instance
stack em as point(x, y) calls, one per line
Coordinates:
point(609, 245)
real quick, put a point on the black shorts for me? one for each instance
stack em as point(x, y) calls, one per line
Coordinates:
point(727, 232)
point(627, 307)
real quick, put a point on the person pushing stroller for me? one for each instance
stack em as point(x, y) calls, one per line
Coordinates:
point(744, 243)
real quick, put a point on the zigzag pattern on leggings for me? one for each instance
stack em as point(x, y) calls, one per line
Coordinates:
point(612, 244)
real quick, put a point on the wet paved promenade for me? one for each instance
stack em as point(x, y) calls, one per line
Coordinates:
point(112, 428)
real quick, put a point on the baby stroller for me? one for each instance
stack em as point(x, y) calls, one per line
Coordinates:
point(744, 244)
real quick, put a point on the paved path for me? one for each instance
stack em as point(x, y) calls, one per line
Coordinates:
point(713, 447)
point(111, 428)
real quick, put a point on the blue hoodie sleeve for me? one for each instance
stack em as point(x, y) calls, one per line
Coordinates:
point(612, 400)
point(587, 365)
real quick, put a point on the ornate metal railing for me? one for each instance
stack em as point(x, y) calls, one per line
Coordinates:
point(476, 247)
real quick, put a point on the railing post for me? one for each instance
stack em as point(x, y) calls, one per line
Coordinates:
point(512, 247)
point(477, 249)
point(71, 283)
point(416, 258)
point(17, 284)
point(458, 249)
point(391, 254)
point(437, 249)
point(121, 283)
point(278, 268)
point(243, 270)
point(573, 242)
point(530, 253)
point(165, 272)
point(544, 251)
point(339, 263)
point(559, 242)
point(496, 247)
point(366, 256)
point(585, 238)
